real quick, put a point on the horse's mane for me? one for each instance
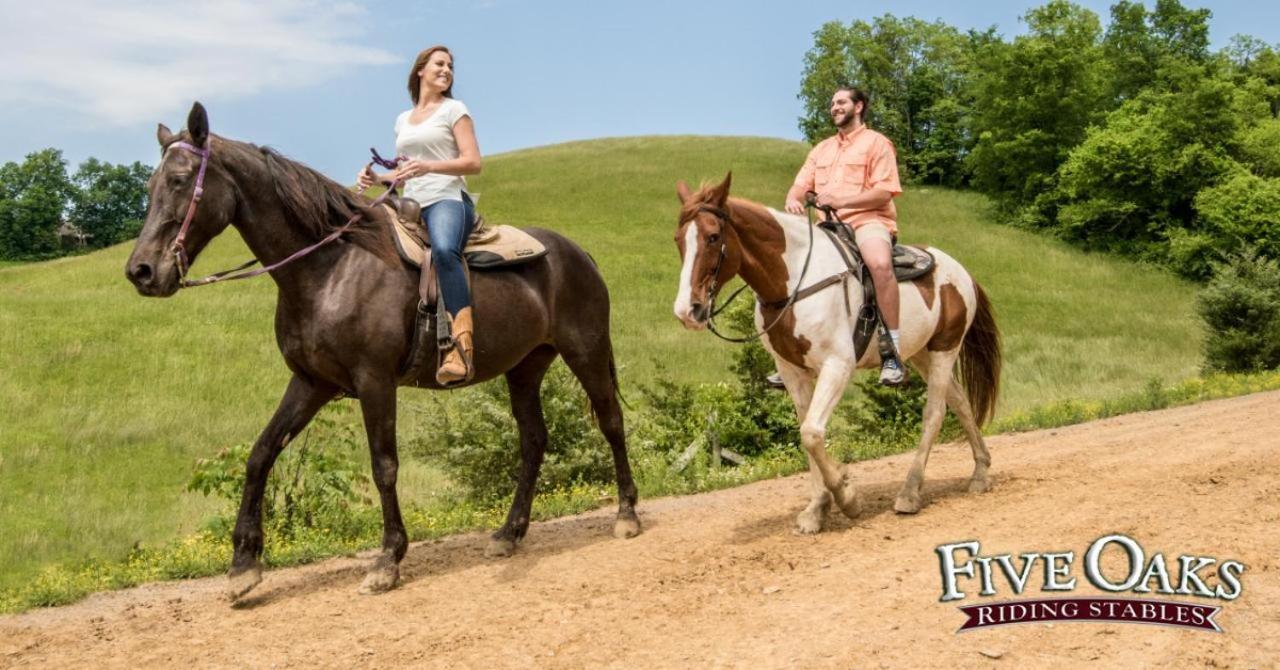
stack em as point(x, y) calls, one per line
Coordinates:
point(703, 194)
point(319, 205)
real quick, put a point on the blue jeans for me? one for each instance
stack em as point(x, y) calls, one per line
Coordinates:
point(449, 224)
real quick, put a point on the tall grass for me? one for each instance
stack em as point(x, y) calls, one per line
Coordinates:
point(108, 398)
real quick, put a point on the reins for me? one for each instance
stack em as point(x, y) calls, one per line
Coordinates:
point(180, 252)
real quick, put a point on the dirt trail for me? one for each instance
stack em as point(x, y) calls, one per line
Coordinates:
point(720, 579)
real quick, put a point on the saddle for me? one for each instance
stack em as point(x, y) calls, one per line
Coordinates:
point(489, 247)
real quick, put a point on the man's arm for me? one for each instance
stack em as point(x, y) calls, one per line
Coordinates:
point(871, 199)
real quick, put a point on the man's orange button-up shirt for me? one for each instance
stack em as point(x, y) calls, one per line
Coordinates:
point(846, 166)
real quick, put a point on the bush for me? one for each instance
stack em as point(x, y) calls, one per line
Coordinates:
point(891, 416)
point(476, 440)
point(317, 483)
point(1241, 307)
point(747, 415)
point(1243, 211)
point(1259, 148)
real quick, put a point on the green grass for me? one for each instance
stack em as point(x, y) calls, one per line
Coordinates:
point(109, 398)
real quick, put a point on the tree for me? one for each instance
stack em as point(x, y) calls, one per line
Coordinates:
point(33, 199)
point(1132, 184)
point(1034, 98)
point(111, 201)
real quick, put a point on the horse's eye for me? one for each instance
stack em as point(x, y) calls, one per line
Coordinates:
point(176, 178)
point(713, 238)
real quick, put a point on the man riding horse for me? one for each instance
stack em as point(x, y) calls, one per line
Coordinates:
point(855, 172)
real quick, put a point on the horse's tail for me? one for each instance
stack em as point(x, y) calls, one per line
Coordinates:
point(980, 359)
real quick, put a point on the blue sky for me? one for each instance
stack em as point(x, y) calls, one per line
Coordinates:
point(323, 80)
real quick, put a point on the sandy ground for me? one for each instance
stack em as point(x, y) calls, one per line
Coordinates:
point(721, 580)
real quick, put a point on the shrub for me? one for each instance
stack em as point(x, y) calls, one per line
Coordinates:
point(1243, 210)
point(317, 483)
point(475, 439)
point(747, 415)
point(1260, 147)
point(1241, 307)
point(891, 416)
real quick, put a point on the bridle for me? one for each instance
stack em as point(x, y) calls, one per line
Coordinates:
point(179, 248)
point(714, 290)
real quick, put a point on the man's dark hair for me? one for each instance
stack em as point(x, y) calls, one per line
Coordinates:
point(857, 95)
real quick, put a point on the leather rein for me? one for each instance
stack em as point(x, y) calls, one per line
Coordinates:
point(179, 249)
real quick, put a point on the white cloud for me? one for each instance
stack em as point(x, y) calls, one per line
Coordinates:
point(123, 61)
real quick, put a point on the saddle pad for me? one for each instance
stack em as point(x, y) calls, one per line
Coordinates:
point(911, 262)
point(488, 247)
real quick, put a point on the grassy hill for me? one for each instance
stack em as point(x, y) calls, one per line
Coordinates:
point(108, 398)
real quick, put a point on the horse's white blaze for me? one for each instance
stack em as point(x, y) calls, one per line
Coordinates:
point(684, 294)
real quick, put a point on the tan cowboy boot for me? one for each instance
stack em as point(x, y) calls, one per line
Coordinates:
point(457, 363)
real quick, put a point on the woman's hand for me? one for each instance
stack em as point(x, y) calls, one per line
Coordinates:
point(366, 178)
point(409, 169)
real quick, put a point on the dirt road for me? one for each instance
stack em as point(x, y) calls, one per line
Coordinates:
point(720, 579)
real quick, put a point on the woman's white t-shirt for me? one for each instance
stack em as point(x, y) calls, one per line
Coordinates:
point(432, 140)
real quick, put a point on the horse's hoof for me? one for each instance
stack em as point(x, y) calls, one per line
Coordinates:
point(626, 527)
point(979, 485)
point(847, 497)
point(810, 521)
point(906, 504)
point(380, 580)
point(499, 548)
point(240, 582)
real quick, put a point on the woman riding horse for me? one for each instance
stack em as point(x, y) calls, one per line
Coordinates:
point(345, 318)
point(438, 139)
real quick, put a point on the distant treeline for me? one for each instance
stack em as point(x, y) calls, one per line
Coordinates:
point(44, 212)
point(1136, 138)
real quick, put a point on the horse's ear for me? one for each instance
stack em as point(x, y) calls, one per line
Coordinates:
point(163, 134)
point(682, 190)
point(721, 192)
point(198, 124)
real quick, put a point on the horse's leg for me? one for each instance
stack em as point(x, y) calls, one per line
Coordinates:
point(832, 380)
point(378, 404)
point(938, 366)
point(302, 399)
point(800, 385)
point(959, 403)
point(594, 368)
point(525, 382)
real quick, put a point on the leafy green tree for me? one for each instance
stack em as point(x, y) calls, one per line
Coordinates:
point(1138, 43)
point(111, 200)
point(1131, 184)
point(33, 199)
point(1034, 98)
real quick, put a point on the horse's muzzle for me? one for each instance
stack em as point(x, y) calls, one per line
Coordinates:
point(151, 281)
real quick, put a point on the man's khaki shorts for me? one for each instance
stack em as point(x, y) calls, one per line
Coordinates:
point(872, 231)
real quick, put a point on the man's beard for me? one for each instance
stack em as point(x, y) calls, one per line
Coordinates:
point(848, 121)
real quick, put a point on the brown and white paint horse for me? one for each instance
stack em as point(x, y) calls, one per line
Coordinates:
point(945, 319)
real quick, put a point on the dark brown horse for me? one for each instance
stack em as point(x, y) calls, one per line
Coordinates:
point(345, 317)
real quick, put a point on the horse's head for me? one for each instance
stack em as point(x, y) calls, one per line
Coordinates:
point(181, 220)
point(709, 250)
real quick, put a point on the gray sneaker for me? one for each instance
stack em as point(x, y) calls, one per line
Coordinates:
point(891, 373)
